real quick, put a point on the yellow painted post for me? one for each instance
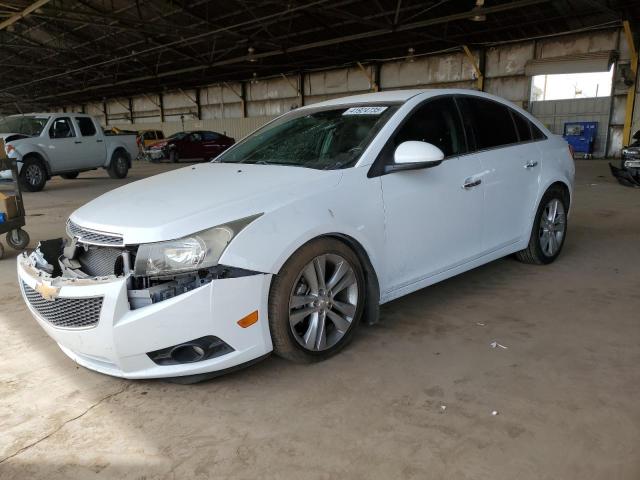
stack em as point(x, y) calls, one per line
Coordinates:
point(372, 83)
point(631, 92)
point(479, 74)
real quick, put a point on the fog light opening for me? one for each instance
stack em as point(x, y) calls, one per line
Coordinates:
point(187, 353)
point(196, 350)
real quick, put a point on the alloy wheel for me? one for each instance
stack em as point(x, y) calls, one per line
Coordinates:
point(33, 174)
point(323, 302)
point(121, 165)
point(552, 227)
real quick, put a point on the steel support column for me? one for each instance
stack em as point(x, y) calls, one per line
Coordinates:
point(631, 92)
point(478, 66)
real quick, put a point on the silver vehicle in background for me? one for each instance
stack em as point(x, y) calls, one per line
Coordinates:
point(65, 144)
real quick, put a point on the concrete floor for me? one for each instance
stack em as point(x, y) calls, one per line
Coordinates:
point(567, 389)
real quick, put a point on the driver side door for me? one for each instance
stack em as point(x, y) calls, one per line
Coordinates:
point(433, 216)
point(64, 148)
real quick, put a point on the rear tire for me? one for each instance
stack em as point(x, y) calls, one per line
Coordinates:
point(316, 301)
point(70, 176)
point(33, 175)
point(549, 229)
point(119, 166)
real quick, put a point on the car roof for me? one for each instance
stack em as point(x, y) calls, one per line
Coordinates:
point(399, 96)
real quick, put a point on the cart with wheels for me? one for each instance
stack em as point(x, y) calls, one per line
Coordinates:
point(11, 222)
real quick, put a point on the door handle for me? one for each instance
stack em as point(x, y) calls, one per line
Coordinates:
point(77, 141)
point(470, 183)
point(531, 164)
point(99, 141)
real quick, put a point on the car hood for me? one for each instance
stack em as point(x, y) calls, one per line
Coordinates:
point(178, 203)
point(4, 136)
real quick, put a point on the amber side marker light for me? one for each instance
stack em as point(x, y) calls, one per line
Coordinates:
point(248, 320)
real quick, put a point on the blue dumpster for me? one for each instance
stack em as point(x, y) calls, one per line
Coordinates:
point(581, 136)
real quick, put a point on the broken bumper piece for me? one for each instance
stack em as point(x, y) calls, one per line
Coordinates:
point(99, 323)
point(628, 176)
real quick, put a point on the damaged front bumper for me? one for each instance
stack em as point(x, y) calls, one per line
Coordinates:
point(104, 324)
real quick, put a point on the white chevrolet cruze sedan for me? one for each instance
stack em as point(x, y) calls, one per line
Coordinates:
point(293, 237)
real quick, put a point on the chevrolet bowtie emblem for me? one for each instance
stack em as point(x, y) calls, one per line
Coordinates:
point(48, 292)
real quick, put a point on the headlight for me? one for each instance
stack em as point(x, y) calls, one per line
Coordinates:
point(193, 252)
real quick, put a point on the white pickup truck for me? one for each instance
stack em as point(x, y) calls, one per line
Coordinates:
point(65, 144)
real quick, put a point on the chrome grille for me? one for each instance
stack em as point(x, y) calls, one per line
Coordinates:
point(65, 312)
point(99, 262)
point(94, 237)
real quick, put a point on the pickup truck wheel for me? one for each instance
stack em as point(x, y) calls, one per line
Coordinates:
point(119, 166)
point(70, 176)
point(33, 175)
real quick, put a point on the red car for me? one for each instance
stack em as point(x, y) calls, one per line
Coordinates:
point(200, 144)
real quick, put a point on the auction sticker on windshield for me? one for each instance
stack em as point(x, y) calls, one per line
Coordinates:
point(364, 111)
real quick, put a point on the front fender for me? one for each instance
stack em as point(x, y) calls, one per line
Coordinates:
point(21, 150)
point(353, 209)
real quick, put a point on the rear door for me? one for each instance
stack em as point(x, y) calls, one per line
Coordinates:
point(92, 146)
point(432, 221)
point(192, 146)
point(511, 168)
point(64, 148)
point(211, 143)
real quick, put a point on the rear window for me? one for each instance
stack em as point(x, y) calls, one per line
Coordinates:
point(490, 121)
point(210, 136)
point(87, 129)
point(159, 135)
point(522, 126)
point(537, 133)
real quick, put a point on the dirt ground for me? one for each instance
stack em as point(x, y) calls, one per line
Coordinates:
point(412, 397)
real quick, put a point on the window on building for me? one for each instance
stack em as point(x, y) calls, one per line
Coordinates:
point(571, 85)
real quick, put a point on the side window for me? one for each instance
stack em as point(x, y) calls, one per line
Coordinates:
point(61, 128)
point(537, 133)
point(87, 128)
point(436, 122)
point(147, 136)
point(522, 126)
point(195, 137)
point(159, 135)
point(489, 121)
point(210, 136)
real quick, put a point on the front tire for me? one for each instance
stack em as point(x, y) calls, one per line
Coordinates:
point(33, 175)
point(316, 301)
point(549, 229)
point(119, 166)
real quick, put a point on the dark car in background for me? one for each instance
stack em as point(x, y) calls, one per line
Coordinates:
point(629, 172)
point(200, 144)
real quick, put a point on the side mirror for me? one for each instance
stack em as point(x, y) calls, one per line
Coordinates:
point(413, 155)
